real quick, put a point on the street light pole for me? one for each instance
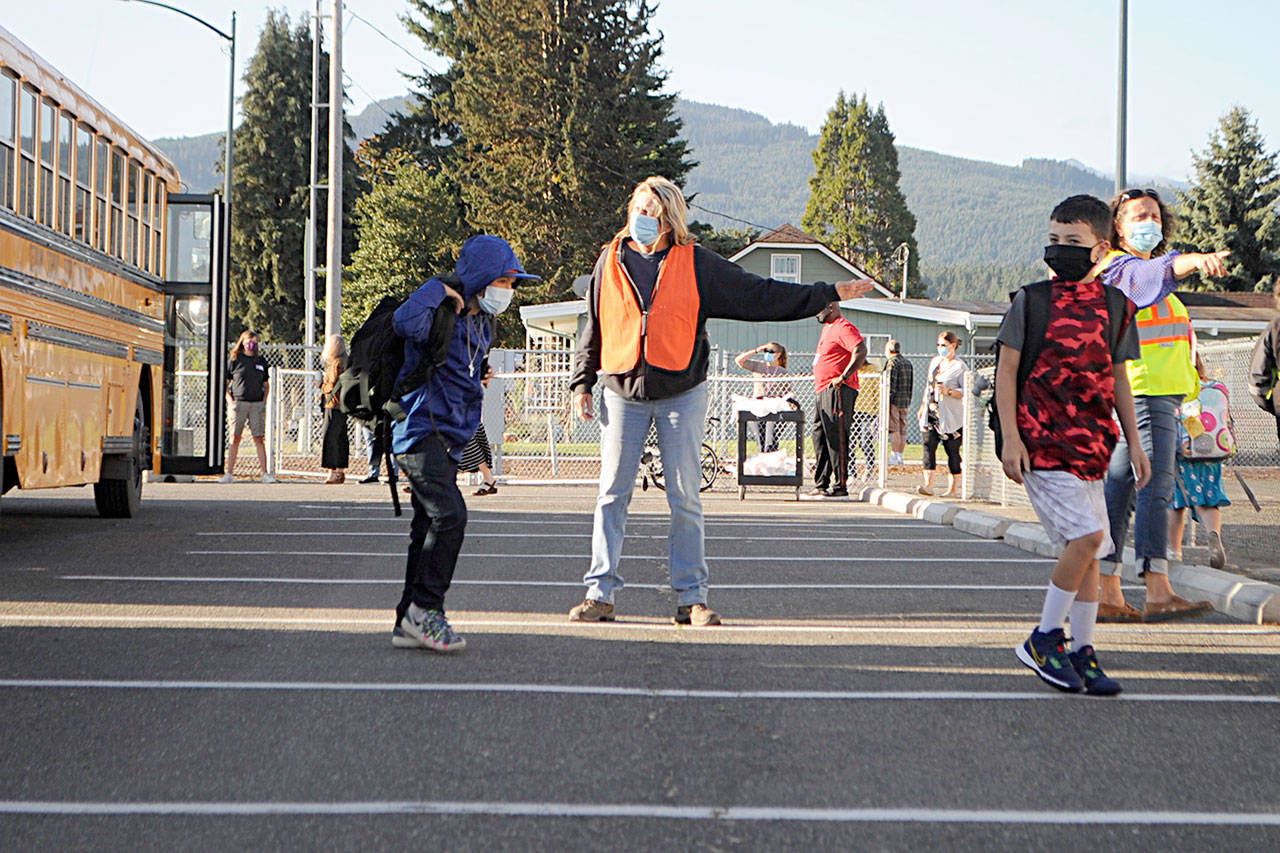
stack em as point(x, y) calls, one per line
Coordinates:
point(1122, 86)
point(231, 87)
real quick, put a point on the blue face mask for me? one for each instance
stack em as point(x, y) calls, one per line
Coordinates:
point(943, 349)
point(494, 300)
point(644, 229)
point(1146, 235)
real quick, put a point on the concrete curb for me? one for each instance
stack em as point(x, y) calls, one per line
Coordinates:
point(1255, 602)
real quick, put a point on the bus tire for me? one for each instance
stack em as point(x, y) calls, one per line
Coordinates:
point(122, 497)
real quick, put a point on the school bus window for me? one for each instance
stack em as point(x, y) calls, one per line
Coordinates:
point(157, 229)
point(84, 181)
point(66, 123)
point(48, 152)
point(8, 152)
point(131, 223)
point(27, 155)
point(117, 203)
point(144, 248)
point(100, 195)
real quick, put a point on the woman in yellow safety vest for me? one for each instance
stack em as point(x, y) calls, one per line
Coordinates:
point(651, 294)
point(1140, 228)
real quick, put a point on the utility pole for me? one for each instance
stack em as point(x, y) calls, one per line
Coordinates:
point(309, 250)
point(1122, 86)
point(333, 266)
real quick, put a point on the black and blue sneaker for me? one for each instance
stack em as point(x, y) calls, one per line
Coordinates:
point(1046, 654)
point(1096, 682)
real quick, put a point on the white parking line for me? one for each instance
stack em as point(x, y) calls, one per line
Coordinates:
point(718, 587)
point(625, 692)
point(585, 521)
point(758, 558)
point(647, 811)
point(401, 534)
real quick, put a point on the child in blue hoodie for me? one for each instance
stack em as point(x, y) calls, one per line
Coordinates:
point(442, 415)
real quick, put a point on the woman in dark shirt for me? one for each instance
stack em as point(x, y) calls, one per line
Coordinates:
point(656, 290)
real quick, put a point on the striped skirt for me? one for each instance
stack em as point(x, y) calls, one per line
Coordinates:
point(476, 452)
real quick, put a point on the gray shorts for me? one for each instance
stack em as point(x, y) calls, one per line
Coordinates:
point(1069, 508)
point(254, 414)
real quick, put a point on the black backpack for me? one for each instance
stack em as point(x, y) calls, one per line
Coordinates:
point(1035, 321)
point(367, 390)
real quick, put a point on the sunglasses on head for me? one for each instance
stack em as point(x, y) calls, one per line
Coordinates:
point(1130, 195)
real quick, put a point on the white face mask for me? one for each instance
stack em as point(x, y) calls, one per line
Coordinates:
point(494, 300)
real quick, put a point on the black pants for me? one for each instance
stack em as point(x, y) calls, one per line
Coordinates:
point(439, 523)
point(335, 449)
point(950, 443)
point(830, 436)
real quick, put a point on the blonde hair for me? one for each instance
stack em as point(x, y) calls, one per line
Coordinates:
point(675, 211)
point(237, 349)
point(334, 357)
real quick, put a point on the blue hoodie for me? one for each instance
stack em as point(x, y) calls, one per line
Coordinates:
point(450, 403)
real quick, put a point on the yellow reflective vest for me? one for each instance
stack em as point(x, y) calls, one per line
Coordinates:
point(1166, 366)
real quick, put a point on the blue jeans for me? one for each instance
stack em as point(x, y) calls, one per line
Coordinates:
point(1158, 431)
point(624, 425)
point(438, 526)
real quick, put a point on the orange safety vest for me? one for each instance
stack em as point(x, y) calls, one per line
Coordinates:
point(665, 334)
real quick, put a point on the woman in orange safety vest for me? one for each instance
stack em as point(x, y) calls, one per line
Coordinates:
point(651, 294)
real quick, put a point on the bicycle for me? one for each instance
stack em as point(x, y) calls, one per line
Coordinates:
point(651, 464)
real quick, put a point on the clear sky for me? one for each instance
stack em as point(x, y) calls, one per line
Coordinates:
point(982, 79)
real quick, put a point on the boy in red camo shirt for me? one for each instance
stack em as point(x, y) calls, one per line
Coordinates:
point(1059, 433)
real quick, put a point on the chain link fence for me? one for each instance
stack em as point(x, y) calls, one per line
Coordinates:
point(529, 420)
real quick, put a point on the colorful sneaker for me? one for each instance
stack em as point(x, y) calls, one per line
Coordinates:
point(592, 610)
point(1046, 654)
point(431, 632)
point(697, 615)
point(1096, 682)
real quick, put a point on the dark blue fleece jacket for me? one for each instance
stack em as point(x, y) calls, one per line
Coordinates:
point(449, 404)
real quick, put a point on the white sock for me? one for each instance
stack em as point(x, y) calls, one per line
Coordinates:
point(1084, 615)
point(1056, 604)
point(416, 613)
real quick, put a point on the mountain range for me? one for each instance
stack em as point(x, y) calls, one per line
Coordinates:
point(980, 225)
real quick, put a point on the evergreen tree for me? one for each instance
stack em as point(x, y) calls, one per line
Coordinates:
point(552, 112)
point(269, 180)
point(724, 242)
point(410, 227)
point(1233, 204)
point(855, 204)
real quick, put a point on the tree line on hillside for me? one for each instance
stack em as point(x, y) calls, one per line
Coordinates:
point(548, 114)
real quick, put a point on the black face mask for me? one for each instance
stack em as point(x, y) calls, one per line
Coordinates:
point(1071, 263)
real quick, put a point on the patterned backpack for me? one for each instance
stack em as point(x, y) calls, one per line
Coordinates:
point(1205, 430)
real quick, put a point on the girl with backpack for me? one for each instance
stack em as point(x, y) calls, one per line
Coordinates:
point(1199, 479)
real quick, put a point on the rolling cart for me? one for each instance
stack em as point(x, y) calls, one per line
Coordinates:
point(796, 479)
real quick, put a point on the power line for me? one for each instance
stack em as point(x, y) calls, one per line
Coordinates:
point(404, 49)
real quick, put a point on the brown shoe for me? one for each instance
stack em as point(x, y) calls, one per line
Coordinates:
point(697, 615)
point(1118, 613)
point(1175, 608)
point(592, 611)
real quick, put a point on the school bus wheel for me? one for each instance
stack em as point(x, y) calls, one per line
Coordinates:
point(118, 492)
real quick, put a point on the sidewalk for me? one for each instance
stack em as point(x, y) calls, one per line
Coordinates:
point(1249, 591)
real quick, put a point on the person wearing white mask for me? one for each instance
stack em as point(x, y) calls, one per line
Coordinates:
point(942, 413)
point(650, 297)
point(441, 416)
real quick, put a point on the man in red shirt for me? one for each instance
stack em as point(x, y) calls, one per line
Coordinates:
point(841, 351)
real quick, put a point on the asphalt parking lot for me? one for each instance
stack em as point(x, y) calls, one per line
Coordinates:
point(218, 673)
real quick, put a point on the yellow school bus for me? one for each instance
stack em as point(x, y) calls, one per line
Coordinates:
point(111, 283)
